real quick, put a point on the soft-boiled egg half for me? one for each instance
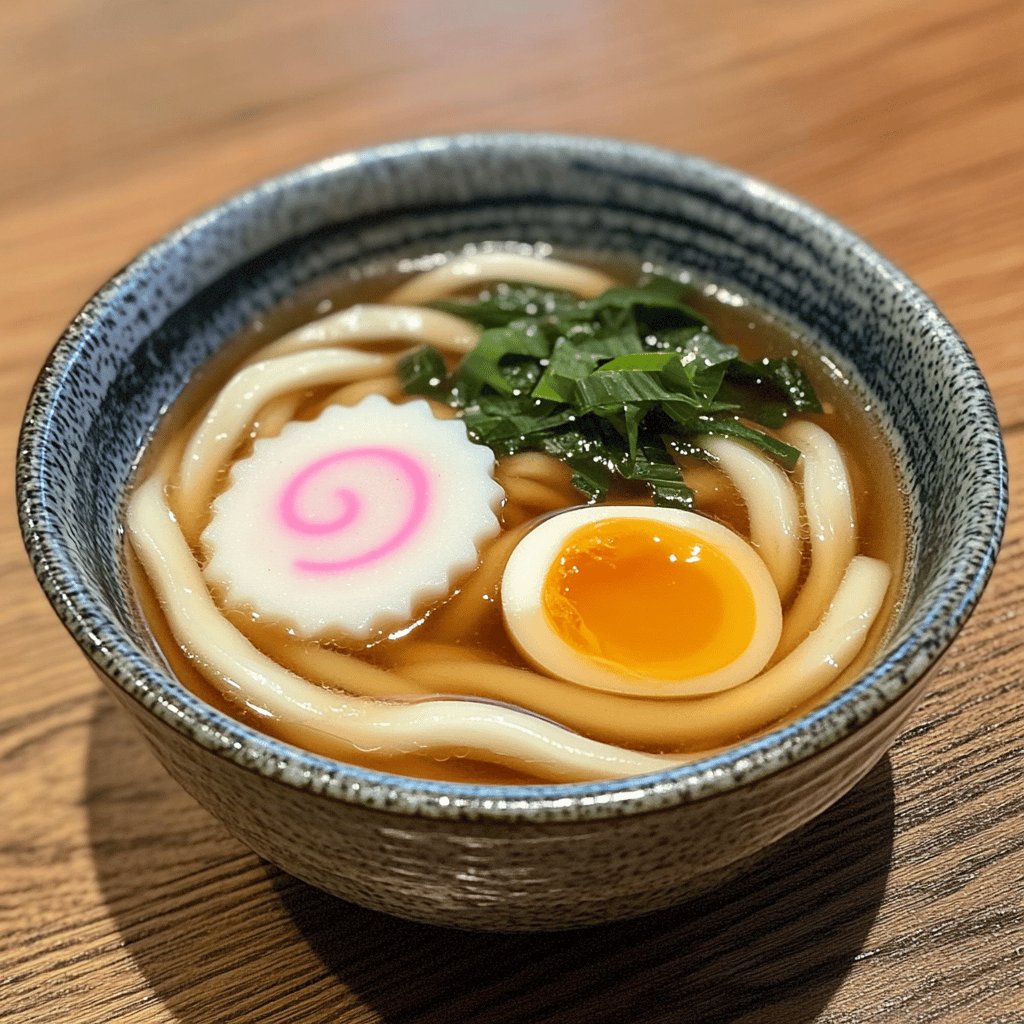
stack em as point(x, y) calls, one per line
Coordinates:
point(644, 601)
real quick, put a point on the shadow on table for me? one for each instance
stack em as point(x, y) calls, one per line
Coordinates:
point(773, 944)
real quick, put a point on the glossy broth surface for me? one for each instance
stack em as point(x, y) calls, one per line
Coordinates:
point(848, 417)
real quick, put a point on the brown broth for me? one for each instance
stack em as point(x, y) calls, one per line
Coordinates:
point(877, 494)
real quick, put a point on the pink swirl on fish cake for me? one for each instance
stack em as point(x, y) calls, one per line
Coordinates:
point(352, 507)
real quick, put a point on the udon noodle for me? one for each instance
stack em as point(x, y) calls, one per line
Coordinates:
point(449, 695)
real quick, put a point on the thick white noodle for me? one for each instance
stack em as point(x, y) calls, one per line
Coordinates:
point(772, 507)
point(463, 271)
point(822, 655)
point(695, 723)
point(273, 416)
point(223, 427)
point(831, 525)
point(242, 671)
point(369, 323)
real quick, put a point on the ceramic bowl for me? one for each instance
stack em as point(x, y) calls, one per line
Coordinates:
point(531, 857)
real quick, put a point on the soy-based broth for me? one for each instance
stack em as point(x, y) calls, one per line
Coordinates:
point(439, 635)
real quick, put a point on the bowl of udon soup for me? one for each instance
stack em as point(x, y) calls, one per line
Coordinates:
point(512, 531)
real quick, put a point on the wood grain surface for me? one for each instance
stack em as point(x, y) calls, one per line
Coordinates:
point(119, 898)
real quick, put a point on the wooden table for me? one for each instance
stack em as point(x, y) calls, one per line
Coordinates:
point(119, 898)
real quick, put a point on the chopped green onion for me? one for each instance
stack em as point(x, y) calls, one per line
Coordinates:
point(614, 386)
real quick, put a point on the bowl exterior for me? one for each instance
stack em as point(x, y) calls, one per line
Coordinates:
point(529, 874)
point(524, 857)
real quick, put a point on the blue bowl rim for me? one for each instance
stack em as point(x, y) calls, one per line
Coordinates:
point(136, 674)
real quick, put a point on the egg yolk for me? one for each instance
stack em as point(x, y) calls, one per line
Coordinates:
point(653, 600)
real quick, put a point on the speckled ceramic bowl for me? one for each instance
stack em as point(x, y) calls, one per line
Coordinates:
point(490, 857)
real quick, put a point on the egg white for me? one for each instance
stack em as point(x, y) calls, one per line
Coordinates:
point(522, 588)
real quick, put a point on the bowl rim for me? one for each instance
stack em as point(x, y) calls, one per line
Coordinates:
point(127, 667)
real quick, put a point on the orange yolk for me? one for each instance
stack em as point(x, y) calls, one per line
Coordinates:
point(650, 599)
